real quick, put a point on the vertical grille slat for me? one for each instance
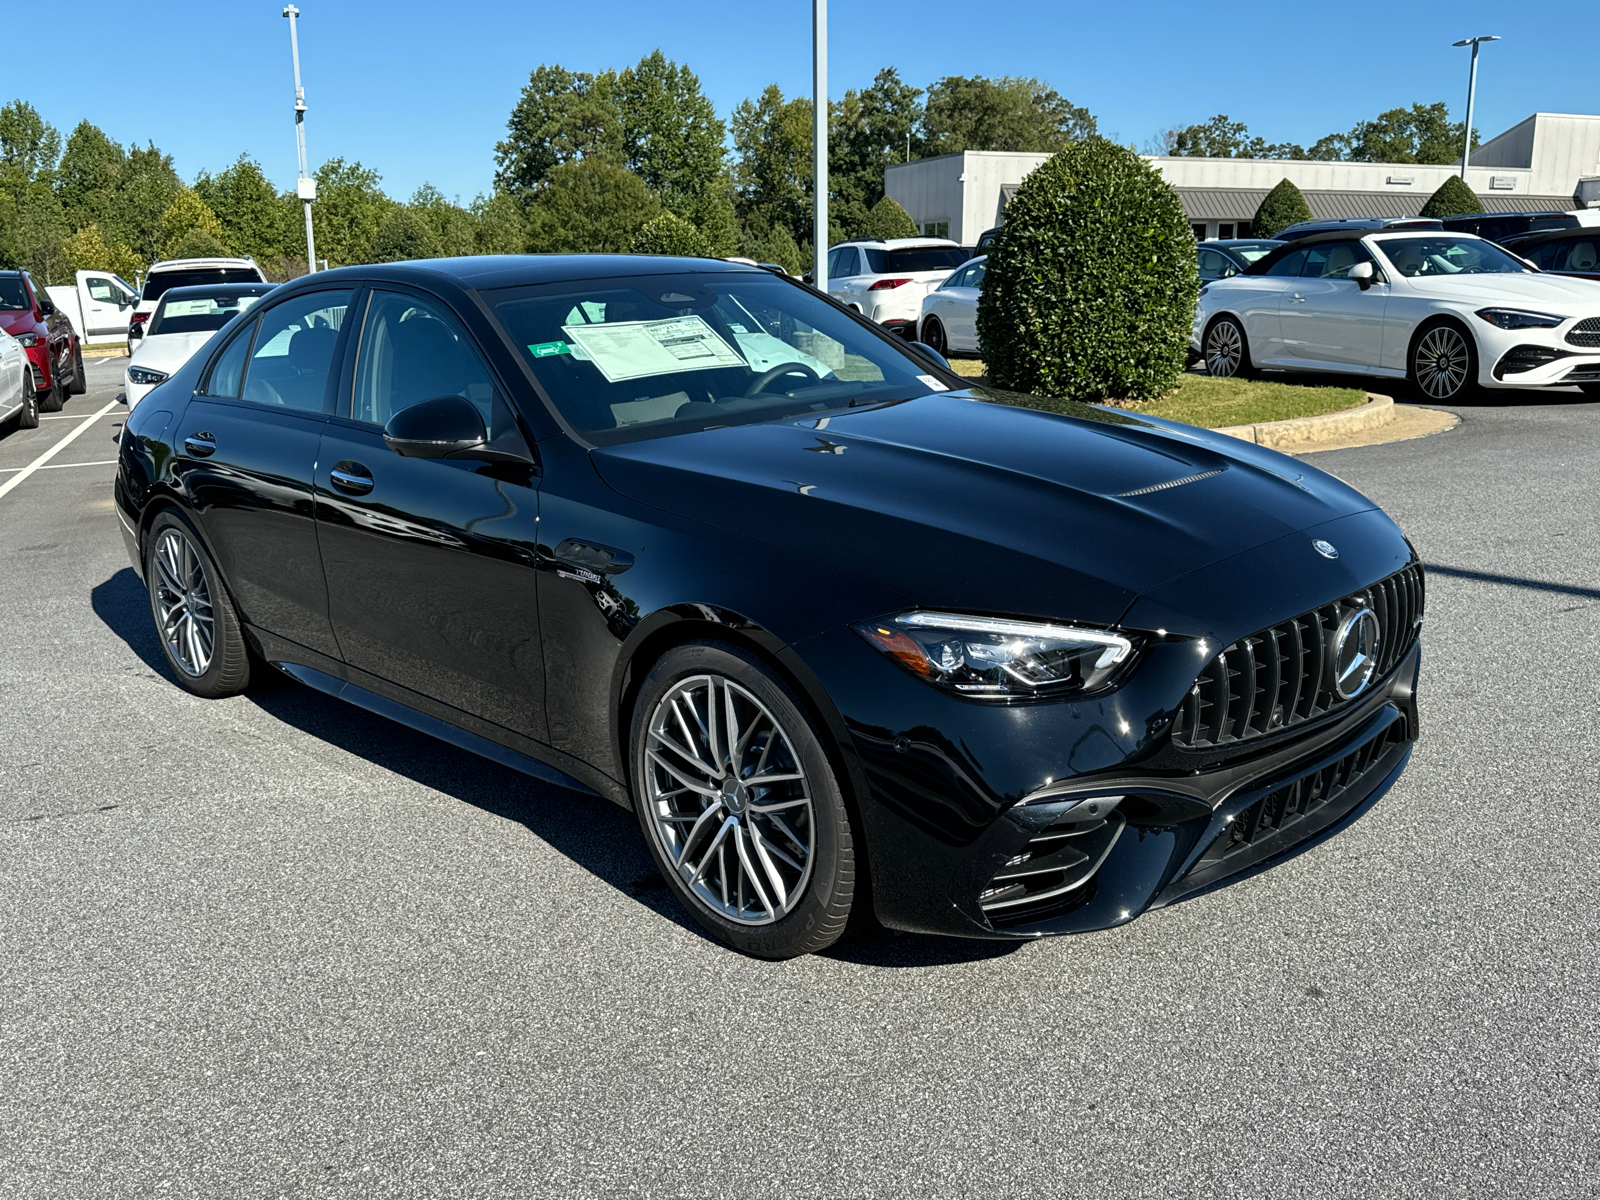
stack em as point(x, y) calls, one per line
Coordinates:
point(1283, 675)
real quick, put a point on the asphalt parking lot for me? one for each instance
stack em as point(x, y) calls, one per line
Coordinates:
point(276, 946)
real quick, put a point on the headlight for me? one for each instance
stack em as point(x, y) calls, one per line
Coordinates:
point(1517, 318)
point(145, 377)
point(29, 339)
point(988, 656)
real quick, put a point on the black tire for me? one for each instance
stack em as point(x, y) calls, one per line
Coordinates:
point(1226, 350)
point(55, 399)
point(225, 671)
point(28, 418)
point(1442, 364)
point(815, 910)
point(934, 338)
point(80, 384)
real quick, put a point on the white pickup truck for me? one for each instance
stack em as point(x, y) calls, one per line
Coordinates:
point(99, 305)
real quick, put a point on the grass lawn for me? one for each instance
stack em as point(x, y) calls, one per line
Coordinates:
point(1203, 400)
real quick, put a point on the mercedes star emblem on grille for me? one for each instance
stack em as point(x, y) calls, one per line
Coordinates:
point(1355, 653)
point(1326, 549)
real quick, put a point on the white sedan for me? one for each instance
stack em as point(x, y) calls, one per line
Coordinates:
point(949, 319)
point(19, 403)
point(185, 319)
point(1446, 311)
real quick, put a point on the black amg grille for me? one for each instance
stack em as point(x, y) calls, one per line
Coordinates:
point(1283, 676)
point(1282, 808)
point(1585, 333)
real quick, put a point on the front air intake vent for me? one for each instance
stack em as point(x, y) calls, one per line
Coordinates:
point(1055, 871)
point(1585, 333)
point(1283, 676)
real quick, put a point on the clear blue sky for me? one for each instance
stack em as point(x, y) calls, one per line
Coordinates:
point(421, 92)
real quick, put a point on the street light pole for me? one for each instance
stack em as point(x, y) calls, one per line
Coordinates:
point(1472, 94)
point(305, 186)
point(819, 168)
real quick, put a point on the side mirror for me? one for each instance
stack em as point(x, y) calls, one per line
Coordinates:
point(135, 332)
point(1363, 274)
point(46, 306)
point(444, 427)
point(929, 352)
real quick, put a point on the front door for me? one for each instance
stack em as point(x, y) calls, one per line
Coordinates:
point(1329, 320)
point(248, 444)
point(431, 562)
point(105, 306)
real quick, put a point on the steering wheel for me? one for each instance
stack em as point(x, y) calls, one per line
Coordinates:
point(760, 382)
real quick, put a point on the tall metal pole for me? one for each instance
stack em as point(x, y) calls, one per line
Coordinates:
point(305, 186)
point(819, 168)
point(1472, 95)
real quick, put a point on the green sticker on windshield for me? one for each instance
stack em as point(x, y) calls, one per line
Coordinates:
point(546, 349)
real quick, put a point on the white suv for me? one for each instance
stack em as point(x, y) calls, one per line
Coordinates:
point(885, 281)
point(189, 272)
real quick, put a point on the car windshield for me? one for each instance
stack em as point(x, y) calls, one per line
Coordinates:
point(630, 358)
point(921, 258)
point(197, 314)
point(1416, 256)
point(1251, 251)
point(13, 296)
point(159, 284)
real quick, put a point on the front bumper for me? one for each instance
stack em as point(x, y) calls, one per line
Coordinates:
point(1532, 358)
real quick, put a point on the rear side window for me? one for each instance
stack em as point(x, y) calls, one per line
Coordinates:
point(1579, 254)
point(293, 354)
point(929, 258)
point(157, 285)
point(1289, 264)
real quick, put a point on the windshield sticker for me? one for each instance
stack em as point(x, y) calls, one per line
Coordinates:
point(638, 349)
point(546, 349)
point(932, 382)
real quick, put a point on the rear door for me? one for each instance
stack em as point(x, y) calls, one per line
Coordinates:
point(963, 308)
point(247, 444)
point(431, 562)
point(1255, 299)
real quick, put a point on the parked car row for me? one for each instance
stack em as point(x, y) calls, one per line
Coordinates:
point(184, 320)
point(47, 338)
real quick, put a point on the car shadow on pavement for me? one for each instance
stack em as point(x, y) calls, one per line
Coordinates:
point(594, 833)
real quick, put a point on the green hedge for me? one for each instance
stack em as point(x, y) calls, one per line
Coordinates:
point(1282, 207)
point(671, 234)
point(1091, 285)
point(1453, 198)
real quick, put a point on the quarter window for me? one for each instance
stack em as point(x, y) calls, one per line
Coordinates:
point(293, 352)
point(229, 368)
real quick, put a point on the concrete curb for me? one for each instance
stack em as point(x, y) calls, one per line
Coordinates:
point(1304, 432)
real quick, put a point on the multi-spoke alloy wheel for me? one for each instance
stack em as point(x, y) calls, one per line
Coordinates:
point(1224, 350)
point(1442, 363)
point(199, 630)
point(729, 799)
point(739, 802)
point(183, 603)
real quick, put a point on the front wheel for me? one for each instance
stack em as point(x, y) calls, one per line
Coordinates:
point(195, 621)
point(55, 399)
point(1226, 351)
point(80, 385)
point(934, 338)
point(739, 803)
point(1444, 363)
point(28, 418)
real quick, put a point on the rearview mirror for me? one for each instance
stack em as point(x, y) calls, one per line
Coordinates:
point(444, 427)
point(1362, 273)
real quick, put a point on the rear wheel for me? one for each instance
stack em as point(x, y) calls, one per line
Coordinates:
point(934, 338)
point(739, 803)
point(28, 418)
point(1444, 362)
point(1226, 351)
point(55, 397)
point(195, 621)
point(80, 385)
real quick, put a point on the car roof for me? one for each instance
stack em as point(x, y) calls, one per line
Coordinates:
point(488, 271)
point(916, 243)
point(1538, 237)
point(188, 264)
point(198, 290)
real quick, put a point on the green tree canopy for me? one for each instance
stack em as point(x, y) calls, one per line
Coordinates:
point(403, 235)
point(149, 186)
point(671, 234)
point(188, 224)
point(1221, 137)
point(87, 251)
point(500, 228)
point(1280, 208)
point(1422, 133)
point(453, 228)
point(29, 145)
point(90, 175)
point(350, 207)
point(868, 133)
point(1000, 114)
point(672, 138)
point(888, 220)
point(772, 173)
point(1453, 198)
point(561, 116)
point(589, 206)
point(1091, 285)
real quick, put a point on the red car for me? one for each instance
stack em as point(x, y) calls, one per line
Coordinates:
point(28, 315)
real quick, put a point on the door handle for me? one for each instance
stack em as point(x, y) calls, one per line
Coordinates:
point(351, 478)
point(592, 556)
point(201, 445)
point(1297, 298)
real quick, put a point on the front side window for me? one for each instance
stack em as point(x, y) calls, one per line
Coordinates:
point(102, 291)
point(13, 297)
point(1333, 260)
point(293, 353)
point(413, 350)
point(629, 358)
point(1416, 257)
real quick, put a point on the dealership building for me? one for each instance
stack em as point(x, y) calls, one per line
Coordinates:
point(1547, 163)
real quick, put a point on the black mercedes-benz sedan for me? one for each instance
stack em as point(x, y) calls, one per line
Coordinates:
point(852, 638)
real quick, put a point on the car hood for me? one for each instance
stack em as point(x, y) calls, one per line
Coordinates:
point(1571, 297)
point(15, 323)
point(168, 351)
point(958, 503)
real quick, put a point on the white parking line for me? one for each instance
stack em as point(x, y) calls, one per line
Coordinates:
point(104, 462)
point(52, 452)
point(70, 417)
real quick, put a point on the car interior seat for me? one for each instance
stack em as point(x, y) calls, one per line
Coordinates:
point(1583, 257)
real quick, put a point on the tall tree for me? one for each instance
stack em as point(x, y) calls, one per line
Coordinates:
point(1423, 133)
point(191, 230)
point(149, 186)
point(349, 209)
point(870, 131)
point(561, 116)
point(672, 138)
point(256, 218)
point(500, 228)
point(90, 173)
point(589, 206)
point(453, 229)
point(404, 235)
point(29, 145)
point(1221, 137)
point(772, 171)
point(1001, 114)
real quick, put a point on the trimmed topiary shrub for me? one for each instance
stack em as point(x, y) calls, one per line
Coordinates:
point(1454, 197)
point(671, 234)
point(1091, 285)
point(886, 219)
point(1282, 207)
